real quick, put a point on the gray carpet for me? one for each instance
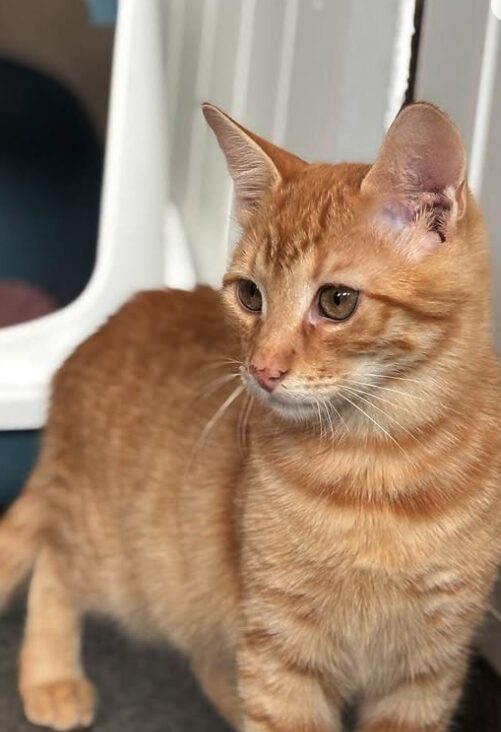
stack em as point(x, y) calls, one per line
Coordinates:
point(145, 689)
point(141, 689)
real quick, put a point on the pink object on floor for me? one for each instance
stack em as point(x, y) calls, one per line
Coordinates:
point(21, 301)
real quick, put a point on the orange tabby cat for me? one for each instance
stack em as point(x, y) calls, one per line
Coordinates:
point(336, 538)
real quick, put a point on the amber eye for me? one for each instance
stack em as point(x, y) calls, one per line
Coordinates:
point(337, 302)
point(249, 295)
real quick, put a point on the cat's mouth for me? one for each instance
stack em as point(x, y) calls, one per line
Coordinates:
point(293, 405)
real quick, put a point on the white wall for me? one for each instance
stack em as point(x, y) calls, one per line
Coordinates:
point(460, 69)
point(320, 77)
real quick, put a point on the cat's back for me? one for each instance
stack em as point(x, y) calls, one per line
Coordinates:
point(150, 377)
point(152, 325)
point(156, 335)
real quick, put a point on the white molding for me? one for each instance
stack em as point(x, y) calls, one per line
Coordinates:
point(399, 81)
point(484, 103)
point(285, 72)
point(130, 253)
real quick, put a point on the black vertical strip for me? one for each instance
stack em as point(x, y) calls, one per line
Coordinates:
point(416, 38)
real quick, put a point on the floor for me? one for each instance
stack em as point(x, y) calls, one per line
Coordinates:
point(151, 690)
point(141, 689)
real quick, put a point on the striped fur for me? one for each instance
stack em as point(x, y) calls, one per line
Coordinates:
point(301, 560)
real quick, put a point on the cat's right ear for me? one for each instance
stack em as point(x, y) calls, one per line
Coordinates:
point(255, 165)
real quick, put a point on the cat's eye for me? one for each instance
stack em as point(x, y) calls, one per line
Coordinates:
point(249, 295)
point(337, 302)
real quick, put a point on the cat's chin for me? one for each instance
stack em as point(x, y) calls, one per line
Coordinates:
point(288, 406)
point(296, 411)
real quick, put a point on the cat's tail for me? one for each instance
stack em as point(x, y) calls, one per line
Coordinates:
point(21, 530)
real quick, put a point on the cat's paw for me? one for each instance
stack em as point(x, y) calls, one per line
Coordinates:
point(61, 705)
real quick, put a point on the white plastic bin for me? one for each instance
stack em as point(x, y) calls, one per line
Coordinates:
point(132, 247)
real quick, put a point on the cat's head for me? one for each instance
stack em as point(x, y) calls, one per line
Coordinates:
point(348, 277)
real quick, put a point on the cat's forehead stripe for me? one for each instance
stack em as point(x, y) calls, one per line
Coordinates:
point(293, 233)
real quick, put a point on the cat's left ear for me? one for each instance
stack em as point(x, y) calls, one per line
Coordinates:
point(418, 179)
point(255, 165)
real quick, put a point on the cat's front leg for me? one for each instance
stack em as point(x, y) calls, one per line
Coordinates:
point(277, 692)
point(423, 704)
point(52, 682)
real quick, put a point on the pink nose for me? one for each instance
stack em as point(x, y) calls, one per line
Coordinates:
point(268, 378)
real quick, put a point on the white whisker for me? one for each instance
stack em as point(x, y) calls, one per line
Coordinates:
point(398, 405)
point(357, 406)
point(329, 417)
point(206, 390)
point(434, 383)
point(389, 389)
point(220, 364)
point(338, 414)
point(360, 395)
point(381, 399)
point(218, 414)
point(419, 382)
point(243, 422)
point(317, 403)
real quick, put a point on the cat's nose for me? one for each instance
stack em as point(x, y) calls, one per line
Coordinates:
point(267, 377)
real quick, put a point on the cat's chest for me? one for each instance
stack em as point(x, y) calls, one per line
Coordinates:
point(312, 534)
point(349, 586)
point(353, 581)
point(342, 561)
point(349, 561)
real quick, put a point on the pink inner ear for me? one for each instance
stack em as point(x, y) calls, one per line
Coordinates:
point(253, 171)
point(413, 241)
point(432, 210)
point(416, 183)
point(416, 228)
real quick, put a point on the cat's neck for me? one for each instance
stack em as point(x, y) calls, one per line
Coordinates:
point(370, 466)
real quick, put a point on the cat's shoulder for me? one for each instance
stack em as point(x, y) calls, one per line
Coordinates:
point(150, 322)
point(168, 311)
point(167, 304)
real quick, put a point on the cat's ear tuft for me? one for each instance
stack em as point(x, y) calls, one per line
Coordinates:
point(418, 179)
point(255, 165)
